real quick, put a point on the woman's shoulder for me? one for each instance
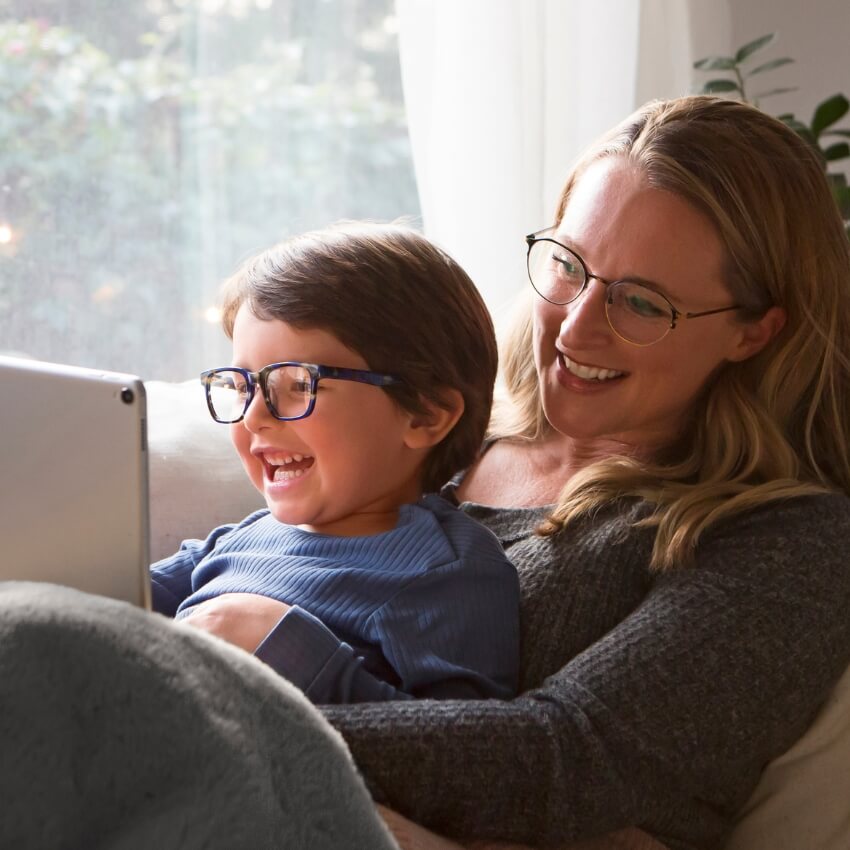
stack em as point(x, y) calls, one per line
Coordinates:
point(803, 539)
point(816, 516)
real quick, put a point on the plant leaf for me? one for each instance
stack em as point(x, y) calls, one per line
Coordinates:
point(776, 91)
point(752, 46)
point(793, 123)
point(837, 179)
point(713, 86)
point(845, 133)
point(842, 197)
point(837, 151)
point(715, 63)
point(804, 133)
point(769, 66)
point(828, 112)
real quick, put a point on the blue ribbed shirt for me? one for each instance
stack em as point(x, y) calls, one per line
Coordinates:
point(427, 609)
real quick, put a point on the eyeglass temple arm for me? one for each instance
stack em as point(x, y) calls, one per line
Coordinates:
point(709, 312)
point(364, 376)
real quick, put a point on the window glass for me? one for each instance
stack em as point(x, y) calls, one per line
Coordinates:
point(147, 146)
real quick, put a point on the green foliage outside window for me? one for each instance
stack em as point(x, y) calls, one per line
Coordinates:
point(146, 147)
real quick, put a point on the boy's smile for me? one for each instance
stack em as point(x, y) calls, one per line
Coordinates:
point(346, 467)
point(283, 467)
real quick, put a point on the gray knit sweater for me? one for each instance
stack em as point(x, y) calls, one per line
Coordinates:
point(650, 699)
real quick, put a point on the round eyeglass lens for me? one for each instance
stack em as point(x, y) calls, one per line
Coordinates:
point(227, 391)
point(638, 314)
point(555, 273)
point(290, 391)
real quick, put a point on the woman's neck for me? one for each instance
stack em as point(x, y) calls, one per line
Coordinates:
point(515, 473)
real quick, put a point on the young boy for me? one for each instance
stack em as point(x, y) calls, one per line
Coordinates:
point(364, 368)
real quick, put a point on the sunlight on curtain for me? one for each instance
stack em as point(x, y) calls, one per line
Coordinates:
point(502, 96)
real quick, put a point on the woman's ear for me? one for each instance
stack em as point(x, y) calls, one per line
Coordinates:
point(430, 427)
point(756, 335)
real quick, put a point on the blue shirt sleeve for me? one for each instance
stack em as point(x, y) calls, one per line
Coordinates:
point(302, 649)
point(171, 578)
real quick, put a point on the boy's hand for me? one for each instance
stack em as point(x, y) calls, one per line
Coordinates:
point(243, 619)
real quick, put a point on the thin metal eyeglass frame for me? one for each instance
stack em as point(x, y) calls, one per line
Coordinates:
point(316, 371)
point(676, 314)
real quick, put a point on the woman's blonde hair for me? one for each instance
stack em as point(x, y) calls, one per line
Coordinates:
point(771, 427)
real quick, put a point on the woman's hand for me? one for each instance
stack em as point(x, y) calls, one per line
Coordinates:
point(243, 619)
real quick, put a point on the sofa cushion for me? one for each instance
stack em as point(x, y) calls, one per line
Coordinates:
point(196, 478)
point(803, 797)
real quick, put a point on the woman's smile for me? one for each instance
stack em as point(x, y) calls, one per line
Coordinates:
point(587, 372)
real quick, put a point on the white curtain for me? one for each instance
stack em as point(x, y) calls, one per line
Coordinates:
point(501, 97)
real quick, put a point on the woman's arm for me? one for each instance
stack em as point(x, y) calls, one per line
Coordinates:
point(664, 723)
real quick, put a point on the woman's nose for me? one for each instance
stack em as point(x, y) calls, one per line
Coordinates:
point(585, 323)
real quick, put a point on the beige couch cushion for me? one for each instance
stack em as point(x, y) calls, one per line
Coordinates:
point(803, 799)
point(196, 478)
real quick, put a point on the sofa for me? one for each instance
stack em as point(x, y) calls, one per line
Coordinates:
point(196, 482)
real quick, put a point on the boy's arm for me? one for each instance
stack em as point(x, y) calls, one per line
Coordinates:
point(451, 633)
point(171, 578)
point(303, 650)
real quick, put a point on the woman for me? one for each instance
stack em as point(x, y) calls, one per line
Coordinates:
point(670, 477)
point(687, 598)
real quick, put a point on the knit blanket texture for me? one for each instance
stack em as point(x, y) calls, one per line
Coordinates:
point(124, 730)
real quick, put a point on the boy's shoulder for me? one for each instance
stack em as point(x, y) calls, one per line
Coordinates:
point(464, 532)
point(260, 524)
point(444, 511)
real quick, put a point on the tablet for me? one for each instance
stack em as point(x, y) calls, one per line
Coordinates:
point(74, 473)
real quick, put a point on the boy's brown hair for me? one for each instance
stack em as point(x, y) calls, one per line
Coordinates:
point(400, 302)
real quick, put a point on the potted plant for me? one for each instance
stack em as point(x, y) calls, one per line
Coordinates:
point(821, 133)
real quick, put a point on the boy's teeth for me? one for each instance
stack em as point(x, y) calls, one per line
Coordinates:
point(281, 467)
point(589, 373)
point(285, 474)
point(287, 459)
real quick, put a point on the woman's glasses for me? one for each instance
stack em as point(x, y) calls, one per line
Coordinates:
point(289, 388)
point(636, 313)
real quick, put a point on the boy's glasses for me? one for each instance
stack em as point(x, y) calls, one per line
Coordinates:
point(289, 389)
point(636, 313)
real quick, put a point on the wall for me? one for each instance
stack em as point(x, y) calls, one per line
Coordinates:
point(815, 33)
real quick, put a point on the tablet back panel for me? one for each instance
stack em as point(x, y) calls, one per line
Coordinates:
point(73, 473)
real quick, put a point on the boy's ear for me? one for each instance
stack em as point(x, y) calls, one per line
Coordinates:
point(427, 429)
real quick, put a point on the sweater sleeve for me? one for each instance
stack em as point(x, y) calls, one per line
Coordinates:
point(171, 578)
point(664, 723)
point(450, 633)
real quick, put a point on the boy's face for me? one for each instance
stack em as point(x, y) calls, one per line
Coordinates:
point(344, 469)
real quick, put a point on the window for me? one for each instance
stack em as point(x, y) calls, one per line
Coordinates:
point(147, 146)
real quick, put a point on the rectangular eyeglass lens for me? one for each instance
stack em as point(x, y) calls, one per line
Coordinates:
point(227, 394)
point(289, 390)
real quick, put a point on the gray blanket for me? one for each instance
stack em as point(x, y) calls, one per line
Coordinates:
point(122, 729)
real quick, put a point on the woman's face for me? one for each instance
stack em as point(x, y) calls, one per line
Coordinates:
point(623, 228)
